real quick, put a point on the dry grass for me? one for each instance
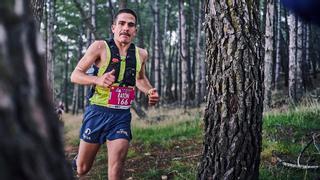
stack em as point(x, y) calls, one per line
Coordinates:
point(72, 125)
point(166, 116)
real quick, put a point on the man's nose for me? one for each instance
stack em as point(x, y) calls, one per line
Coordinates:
point(126, 27)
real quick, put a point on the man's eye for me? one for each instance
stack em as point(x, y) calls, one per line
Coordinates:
point(131, 24)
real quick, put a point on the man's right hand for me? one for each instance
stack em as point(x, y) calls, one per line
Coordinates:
point(106, 80)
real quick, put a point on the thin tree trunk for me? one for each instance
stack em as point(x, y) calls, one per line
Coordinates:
point(299, 61)
point(141, 26)
point(278, 54)
point(93, 18)
point(203, 73)
point(233, 116)
point(37, 9)
point(157, 76)
point(110, 9)
point(31, 143)
point(183, 55)
point(66, 78)
point(50, 44)
point(268, 55)
point(197, 58)
point(169, 75)
point(176, 74)
point(292, 58)
point(164, 59)
point(86, 18)
point(122, 4)
point(75, 99)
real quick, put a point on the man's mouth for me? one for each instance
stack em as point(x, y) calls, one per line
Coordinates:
point(126, 34)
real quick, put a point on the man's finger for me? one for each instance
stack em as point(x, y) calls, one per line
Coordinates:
point(112, 72)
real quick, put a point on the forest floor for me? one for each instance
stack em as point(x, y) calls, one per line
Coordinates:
point(168, 144)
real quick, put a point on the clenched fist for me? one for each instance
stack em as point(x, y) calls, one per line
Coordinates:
point(106, 80)
point(153, 96)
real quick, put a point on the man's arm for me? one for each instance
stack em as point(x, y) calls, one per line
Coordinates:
point(94, 55)
point(143, 83)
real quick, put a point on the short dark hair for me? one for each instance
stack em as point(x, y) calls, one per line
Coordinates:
point(125, 10)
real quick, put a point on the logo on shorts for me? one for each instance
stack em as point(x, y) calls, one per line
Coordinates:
point(87, 131)
point(86, 134)
point(121, 131)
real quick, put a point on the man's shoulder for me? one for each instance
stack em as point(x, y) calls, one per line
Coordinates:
point(143, 53)
point(98, 44)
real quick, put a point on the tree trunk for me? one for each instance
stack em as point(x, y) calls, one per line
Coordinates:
point(157, 80)
point(299, 61)
point(268, 55)
point(37, 9)
point(93, 18)
point(141, 26)
point(233, 116)
point(50, 44)
point(307, 62)
point(278, 55)
point(169, 75)
point(164, 60)
point(66, 83)
point(292, 58)
point(75, 102)
point(198, 59)
point(122, 4)
point(203, 74)
point(176, 73)
point(86, 19)
point(31, 143)
point(183, 56)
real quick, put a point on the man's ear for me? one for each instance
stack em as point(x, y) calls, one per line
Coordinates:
point(112, 28)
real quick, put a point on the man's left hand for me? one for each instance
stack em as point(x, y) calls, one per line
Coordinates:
point(153, 96)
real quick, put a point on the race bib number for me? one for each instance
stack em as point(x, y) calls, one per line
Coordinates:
point(121, 97)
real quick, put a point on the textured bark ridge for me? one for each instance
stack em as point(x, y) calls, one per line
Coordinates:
point(30, 139)
point(233, 117)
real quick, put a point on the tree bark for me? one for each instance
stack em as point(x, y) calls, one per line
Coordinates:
point(233, 116)
point(183, 56)
point(268, 55)
point(37, 9)
point(157, 75)
point(86, 19)
point(198, 59)
point(292, 58)
point(31, 143)
point(278, 54)
point(299, 61)
point(93, 18)
point(66, 83)
point(122, 4)
point(50, 44)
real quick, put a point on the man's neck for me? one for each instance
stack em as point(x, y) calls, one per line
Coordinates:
point(123, 48)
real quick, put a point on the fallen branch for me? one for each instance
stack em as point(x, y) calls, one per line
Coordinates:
point(314, 136)
point(185, 157)
point(295, 165)
point(298, 160)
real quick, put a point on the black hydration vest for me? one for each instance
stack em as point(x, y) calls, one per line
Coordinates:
point(129, 78)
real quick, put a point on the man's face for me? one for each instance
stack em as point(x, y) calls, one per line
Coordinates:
point(124, 29)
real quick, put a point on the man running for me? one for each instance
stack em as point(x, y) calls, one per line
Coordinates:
point(119, 66)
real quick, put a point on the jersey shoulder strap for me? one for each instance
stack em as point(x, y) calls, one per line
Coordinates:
point(125, 68)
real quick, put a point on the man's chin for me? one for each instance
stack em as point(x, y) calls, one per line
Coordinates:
point(124, 41)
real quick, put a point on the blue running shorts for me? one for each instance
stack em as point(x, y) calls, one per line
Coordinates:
point(102, 123)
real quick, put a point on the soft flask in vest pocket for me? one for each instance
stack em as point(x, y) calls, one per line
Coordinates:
point(129, 77)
